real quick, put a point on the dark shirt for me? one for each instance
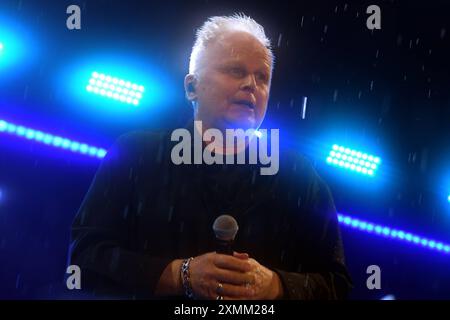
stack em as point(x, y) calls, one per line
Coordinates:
point(142, 211)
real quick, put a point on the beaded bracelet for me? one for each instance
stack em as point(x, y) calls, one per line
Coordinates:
point(185, 277)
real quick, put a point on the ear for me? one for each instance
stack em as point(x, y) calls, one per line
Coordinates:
point(190, 87)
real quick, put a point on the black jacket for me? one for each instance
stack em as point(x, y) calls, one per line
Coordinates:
point(142, 211)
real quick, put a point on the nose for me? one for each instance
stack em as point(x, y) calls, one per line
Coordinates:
point(249, 83)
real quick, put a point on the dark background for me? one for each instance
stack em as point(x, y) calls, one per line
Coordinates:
point(385, 91)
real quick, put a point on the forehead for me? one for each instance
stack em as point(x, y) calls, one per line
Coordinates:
point(237, 46)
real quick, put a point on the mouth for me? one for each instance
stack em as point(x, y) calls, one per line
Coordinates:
point(246, 103)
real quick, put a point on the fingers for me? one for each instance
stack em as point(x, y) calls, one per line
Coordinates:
point(232, 263)
point(240, 255)
point(233, 277)
point(241, 292)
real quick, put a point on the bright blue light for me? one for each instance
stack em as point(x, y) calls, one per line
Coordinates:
point(448, 198)
point(394, 234)
point(18, 48)
point(48, 139)
point(353, 160)
point(388, 297)
point(111, 87)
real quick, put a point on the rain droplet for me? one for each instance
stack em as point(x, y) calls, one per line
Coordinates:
point(279, 39)
point(170, 213)
point(335, 95)
point(25, 93)
point(17, 281)
point(305, 99)
point(125, 213)
point(391, 212)
point(140, 206)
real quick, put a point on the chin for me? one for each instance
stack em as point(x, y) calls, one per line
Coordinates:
point(240, 124)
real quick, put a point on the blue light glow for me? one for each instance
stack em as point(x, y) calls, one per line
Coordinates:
point(51, 140)
point(395, 234)
point(18, 48)
point(353, 160)
point(114, 88)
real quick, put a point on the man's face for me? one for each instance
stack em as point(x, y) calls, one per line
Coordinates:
point(233, 84)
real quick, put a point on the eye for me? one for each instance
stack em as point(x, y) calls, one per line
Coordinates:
point(262, 77)
point(236, 72)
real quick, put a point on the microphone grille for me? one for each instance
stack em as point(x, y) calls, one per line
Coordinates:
point(225, 227)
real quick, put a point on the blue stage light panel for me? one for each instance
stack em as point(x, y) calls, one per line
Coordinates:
point(394, 234)
point(353, 160)
point(115, 88)
point(51, 140)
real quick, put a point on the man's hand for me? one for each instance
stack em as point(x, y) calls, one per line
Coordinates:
point(213, 275)
point(266, 283)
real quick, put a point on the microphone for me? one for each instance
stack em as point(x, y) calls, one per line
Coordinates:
point(225, 228)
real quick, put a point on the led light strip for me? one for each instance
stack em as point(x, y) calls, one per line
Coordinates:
point(353, 160)
point(391, 233)
point(114, 88)
point(52, 140)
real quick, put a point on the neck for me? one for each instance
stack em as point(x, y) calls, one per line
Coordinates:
point(219, 145)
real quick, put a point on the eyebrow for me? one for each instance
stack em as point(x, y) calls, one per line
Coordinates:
point(265, 69)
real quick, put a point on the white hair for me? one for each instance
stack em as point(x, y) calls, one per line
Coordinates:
point(216, 26)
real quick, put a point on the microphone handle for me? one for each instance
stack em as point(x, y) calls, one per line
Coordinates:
point(224, 247)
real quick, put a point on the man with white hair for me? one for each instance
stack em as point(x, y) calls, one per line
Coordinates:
point(144, 228)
